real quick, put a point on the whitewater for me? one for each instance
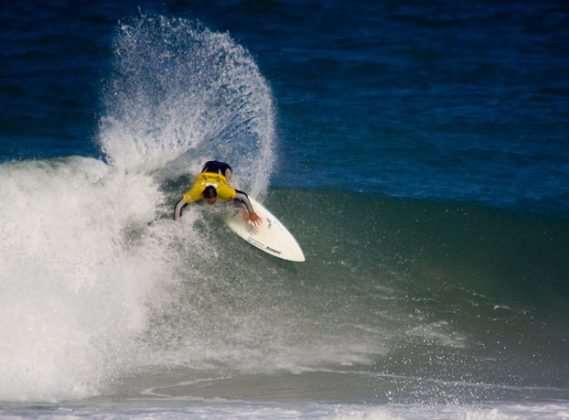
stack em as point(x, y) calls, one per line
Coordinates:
point(83, 266)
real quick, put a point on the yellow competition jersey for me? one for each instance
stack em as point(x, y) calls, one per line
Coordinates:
point(204, 180)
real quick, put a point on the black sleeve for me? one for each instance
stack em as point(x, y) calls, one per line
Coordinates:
point(178, 210)
point(242, 197)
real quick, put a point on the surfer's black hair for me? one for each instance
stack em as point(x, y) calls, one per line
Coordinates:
point(209, 192)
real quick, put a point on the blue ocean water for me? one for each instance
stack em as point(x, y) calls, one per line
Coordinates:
point(448, 101)
point(418, 152)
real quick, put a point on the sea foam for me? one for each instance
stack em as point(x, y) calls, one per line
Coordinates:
point(87, 258)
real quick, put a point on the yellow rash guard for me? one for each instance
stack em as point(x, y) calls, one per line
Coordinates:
point(213, 174)
point(204, 180)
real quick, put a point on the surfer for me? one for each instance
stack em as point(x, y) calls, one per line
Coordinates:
point(212, 183)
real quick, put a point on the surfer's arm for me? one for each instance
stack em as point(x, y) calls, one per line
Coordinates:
point(178, 212)
point(243, 199)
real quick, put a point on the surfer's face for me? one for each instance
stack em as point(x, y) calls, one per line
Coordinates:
point(211, 200)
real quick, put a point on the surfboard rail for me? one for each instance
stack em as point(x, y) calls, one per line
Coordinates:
point(271, 236)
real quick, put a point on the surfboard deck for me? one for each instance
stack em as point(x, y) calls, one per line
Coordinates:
point(271, 236)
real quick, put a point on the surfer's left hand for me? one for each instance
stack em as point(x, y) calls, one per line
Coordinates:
point(255, 218)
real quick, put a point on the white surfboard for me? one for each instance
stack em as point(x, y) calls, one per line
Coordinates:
point(271, 236)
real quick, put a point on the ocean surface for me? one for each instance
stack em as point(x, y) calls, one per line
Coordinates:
point(418, 151)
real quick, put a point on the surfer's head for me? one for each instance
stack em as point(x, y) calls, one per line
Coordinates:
point(210, 194)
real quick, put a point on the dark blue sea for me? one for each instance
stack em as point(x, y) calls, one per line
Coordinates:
point(418, 151)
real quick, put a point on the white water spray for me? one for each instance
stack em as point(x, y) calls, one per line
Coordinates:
point(84, 260)
point(181, 94)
